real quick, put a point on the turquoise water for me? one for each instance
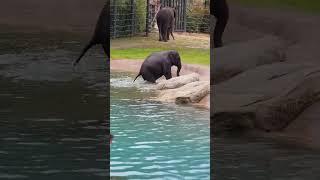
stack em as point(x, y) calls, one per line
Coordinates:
point(155, 140)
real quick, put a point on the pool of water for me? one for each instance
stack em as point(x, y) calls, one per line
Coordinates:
point(154, 140)
point(52, 117)
point(239, 157)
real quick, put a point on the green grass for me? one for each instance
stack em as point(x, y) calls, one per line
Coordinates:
point(312, 6)
point(192, 48)
point(188, 55)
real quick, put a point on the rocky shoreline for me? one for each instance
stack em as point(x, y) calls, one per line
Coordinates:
point(267, 80)
point(191, 87)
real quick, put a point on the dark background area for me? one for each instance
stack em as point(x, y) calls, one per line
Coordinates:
point(53, 117)
point(68, 15)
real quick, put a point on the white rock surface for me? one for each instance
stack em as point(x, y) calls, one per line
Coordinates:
point(190, 93)
point(177, 82)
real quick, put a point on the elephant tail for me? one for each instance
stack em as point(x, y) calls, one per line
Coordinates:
point(86, 48)
point(137, 76)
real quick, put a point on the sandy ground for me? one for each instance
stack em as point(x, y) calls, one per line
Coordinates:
point(134, 66)
point(182, 39)
point(300, 31)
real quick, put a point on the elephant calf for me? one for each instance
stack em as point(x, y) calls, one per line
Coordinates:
point(165, 21)
point(220, 9)
point(158, 64)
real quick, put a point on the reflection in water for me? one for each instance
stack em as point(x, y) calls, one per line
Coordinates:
point(52, 117)
point(154, 140)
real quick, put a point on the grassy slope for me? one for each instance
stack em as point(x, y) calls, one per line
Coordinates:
point(190, 56)
point(192, 49)
point(140, 47)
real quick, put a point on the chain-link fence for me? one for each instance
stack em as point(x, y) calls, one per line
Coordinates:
point(198, 16)
point(133, 17)
point(128, 17)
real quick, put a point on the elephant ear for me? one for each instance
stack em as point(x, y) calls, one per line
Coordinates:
point(171, 56)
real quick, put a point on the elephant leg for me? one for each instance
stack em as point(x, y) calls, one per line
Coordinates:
point(218, 32)
point(168, 34)
point(160, 31)
point(166, 70)
point(172, 34)
point(160, 34)
point(172, 29)
point(85, 49)
point(153, 80)
point(106, 49)
point(149, 77)
point(168, 75)
point(164, 33)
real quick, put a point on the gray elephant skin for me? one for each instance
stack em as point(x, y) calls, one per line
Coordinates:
point(101, 34)
point(170, 31)
point(165, 21)
point(220, 10)
point(159, 64)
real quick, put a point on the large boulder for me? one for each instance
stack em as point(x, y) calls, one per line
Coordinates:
point(268, 97)
point(192, 92)
point(245, 55)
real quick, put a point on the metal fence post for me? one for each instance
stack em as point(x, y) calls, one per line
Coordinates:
point(184, 2)
point(147, 18)
point(132, 16)
point(114, 34)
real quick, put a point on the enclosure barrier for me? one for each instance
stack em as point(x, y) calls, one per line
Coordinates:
point(137, 17)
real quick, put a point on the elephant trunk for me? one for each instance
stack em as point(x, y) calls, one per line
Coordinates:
point(179, 68)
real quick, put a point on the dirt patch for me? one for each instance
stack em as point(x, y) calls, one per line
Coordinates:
point(187, 40)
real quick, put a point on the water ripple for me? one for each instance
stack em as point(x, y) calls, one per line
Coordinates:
point(155, 140)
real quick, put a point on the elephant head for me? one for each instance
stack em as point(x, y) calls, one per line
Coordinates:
point(175, 60)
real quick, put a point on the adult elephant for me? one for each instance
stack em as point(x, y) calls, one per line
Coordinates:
point(165, 21)
point(101, 34)
point(159, 64)
point(220, 9)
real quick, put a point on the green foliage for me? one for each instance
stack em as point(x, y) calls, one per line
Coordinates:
point(141, 15)
point(127, 18)
point(198, 18)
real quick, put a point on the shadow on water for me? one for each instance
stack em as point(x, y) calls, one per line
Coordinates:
point(52, 117)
